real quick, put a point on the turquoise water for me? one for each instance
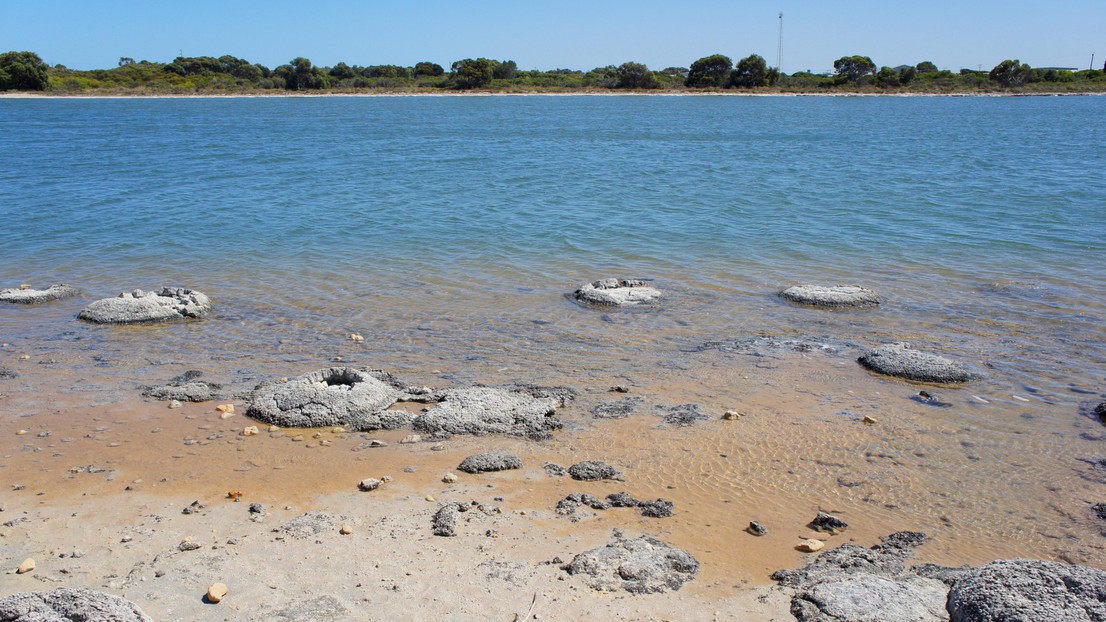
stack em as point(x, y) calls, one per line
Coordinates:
point(447, 230)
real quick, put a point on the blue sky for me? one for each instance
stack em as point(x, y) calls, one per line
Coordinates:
point(89, 34)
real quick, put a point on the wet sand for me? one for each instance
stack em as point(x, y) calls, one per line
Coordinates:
point(800, 446)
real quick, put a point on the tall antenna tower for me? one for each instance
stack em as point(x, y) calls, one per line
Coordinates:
point(779, 44)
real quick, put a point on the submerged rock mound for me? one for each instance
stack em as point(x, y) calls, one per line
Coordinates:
point(1024, 590)
point(641, 566)
point(593, 470)
point(169, 303)
point(523, 411)
point(339, 396)
point(617, 292)
point(831, 296)
point(898, 360)
point(69, 604)
point(30, 296)
point(185, 388)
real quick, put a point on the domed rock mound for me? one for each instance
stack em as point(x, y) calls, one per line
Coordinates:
point(339, 396)
point(641, 566)
point(898, 360)
point(617, 292)
point(1026, 590)
point(170, 303)
point(69, 604)
point(486, 410)
point(30, 296)
point(831, 296)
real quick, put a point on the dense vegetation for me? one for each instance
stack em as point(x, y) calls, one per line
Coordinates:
point(25, 71)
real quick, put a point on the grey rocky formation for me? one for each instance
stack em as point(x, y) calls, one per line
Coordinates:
point(490, 461)
point(552, 469)
point(354, 399)
point(568, 505)
point(6, 373)
point(617, 292)
point(487, 410)
point(831, 296)
point(756, 528)
point(856, 584)
point(1025, 590)
point(37, 296)
point(310, 524)
point(185, 388)
point(1100, 412)
point(168, 303)
point(445, 519)
point(897, 359)
point(592, 470)
point(1099, 510)
point(641, 565)
point(617, 409)
point(682, 415)
point(69, 604)
point(828, 523)
point(659, 508)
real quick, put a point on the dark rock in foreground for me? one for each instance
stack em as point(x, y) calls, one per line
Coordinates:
point(592, 470)
point(169, 303)
point(6, 373)
point(1024, 590)
point(485, 410)
point(897, 359)
point(831, 296)
point(339, 396)
point(37, 296)
point(185, 388)
point(640, 566)
point(617, 292)
point(856, 584)
point(69, 604)
point(490, 461)
point(682, 415)
point(1100, 412)
point(445, 519)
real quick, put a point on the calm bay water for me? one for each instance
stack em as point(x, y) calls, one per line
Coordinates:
point(448, 229)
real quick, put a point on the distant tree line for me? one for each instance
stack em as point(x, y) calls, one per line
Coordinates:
point(26, 71)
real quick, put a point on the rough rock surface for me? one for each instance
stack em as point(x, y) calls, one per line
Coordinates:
point(69, 604)
point(617, 292)
point(338, 396)
point(642, 565)
point(828, 523)
point(831, 296)
point(617, 409)
point(486, 410)
point(897, 359)
point(592, 470)
point(856, 584)
point(1100, 412)
point(310, 524)
point(169, 303)
point(490, 461)
point(1024, 590)
point(445, 519)
point(185, 388)
point(6, 373)
point(37, 296)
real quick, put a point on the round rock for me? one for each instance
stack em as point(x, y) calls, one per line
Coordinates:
point(593, 470)
point(617, 292)
point(1024, 590)
point(167, 304)
point(640, 566)
point(831, 296)
point(898, 360)
point(37, 296)
point(338, 396)
point(69, 604)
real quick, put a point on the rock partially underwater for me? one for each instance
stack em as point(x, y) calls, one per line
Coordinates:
point(354, 399)
point(831, 296)
point(641, 566)
point(898, 360)
point(167, 304)
point(28, 296)
point(617, 292)
point(522, 411)
point(69, 605)
point(185, 388)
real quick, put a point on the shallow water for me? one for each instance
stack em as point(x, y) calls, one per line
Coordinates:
point(447, 232)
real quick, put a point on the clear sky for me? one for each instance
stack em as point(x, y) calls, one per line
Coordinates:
point(94, 34)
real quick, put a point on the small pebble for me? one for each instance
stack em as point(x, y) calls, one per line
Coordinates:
point(756, 528)
point(449, 478)
point(869, 420)
point(345, 530)
point(731, 415)
point(216, 592)
point(27, 566)
point(430, 498)
point(225, 408)
point(175, 404)
point(250, 431)
point(226, 415)
point(356, 337)
point(811, 546)
point(411, 438)
point(368, 484)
